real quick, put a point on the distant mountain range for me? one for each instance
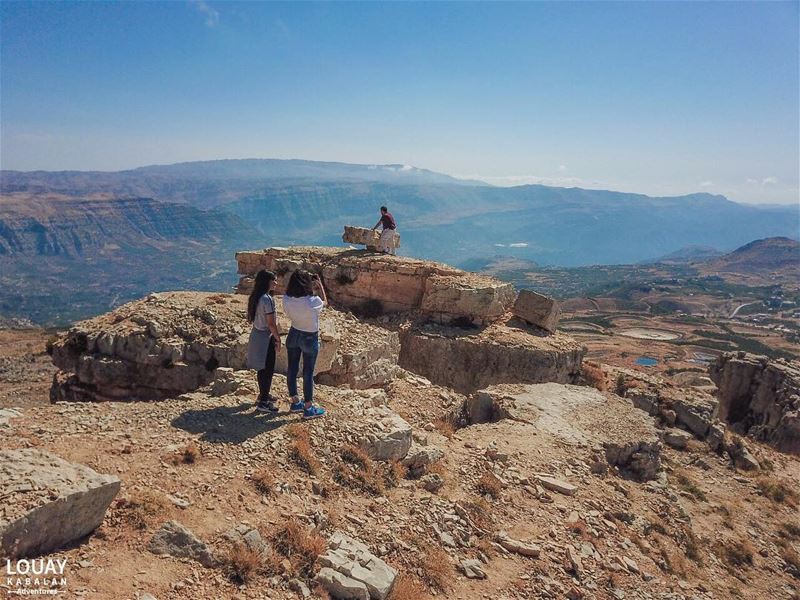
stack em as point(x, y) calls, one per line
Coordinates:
point(181, 223)
point(771, 255)
point(687, 254)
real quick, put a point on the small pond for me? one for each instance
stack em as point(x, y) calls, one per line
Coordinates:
point(646, 361)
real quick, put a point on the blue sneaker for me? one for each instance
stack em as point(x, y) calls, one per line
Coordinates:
point(313, 412)
point(297, 407)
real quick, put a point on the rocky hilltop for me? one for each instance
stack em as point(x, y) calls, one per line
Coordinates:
point(468, 452)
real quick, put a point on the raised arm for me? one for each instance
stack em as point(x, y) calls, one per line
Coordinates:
point(320, 289)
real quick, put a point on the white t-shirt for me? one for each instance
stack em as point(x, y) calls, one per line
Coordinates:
point(303, 312)
point(265, 306)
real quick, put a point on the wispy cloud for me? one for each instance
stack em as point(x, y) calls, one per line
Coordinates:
point(210, 15)
point(706, 184)
point(762, 182)
point(512, 180)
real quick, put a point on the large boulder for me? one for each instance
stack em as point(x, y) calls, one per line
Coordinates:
point(760, 397)
point(47, 502)
point(537, 309)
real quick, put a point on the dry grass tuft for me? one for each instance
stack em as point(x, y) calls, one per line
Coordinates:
point(446, 427)
point(242, 564)
point(355, 455)
point(263, 481)
point(490, 485)
point(580, 529)
point(359, 471)
point(789, 530)
point(408, 588)
point(738, 553)
point(594, 376)
point(686, 484)
point(692, 547)
point(437, 572)
point(480, 513)
point(300, 450)
point(300, 545)
point(792, 560)
point(777, 491)
point(394, 473)
point(188, 456)
point(142, 509)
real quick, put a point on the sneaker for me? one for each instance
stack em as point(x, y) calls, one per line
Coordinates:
point(297, 407)
point(267, 406)
point(313, 412)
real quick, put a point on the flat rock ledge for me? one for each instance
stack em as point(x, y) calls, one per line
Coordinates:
point(47, 502)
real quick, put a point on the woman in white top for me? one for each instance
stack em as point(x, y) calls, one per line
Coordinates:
point(302, 303)
point(265, 341)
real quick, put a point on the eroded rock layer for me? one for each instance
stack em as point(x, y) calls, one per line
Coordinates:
point(470, 359)
point(373, 284)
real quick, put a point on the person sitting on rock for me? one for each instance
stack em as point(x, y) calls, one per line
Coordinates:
point(387, 240)
point(302, 303)
point(265, 341)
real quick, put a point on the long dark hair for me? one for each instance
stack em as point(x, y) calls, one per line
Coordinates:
point(260, 287)
point(301, 283)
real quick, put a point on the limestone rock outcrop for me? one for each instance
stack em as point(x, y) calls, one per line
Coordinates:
point(371, 284)
point(577, 416)
point(171, 343)
point(469, 359)
point(47, 502)
point(760, 397)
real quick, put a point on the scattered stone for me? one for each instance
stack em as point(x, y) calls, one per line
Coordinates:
point(47, 502)
point(388, 435)
point(473, 568)
point(432, 482)
point(354, 560)
point(572, 561)
point(512, 545)
point(557, 485)
point(176, 540)
point(420, 457)
point(300, 588)
point(341, 586)
point(677, 438)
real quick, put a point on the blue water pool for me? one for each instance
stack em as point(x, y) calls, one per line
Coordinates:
point(646, 361)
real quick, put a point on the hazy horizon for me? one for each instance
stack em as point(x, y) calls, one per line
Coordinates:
point(662, 99)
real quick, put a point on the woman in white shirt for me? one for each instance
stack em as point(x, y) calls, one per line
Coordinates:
point(302, 303)
point(265, 341)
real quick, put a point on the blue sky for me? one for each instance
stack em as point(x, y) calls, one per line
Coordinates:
point(658, 98)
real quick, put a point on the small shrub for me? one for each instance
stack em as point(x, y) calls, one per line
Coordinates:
point(355, 455)
point(437, 572)
point(445, 427)
point(792, 560)
point(142, 509)
point(189, 455)
point(692, 548)
point(263, 481)
point(394, 472)
point(594, 376)
point(620, 385)
point(242, 563)
point(301, 546)
point(738, 553)
point(790, 531)
point(480, 513)
point(489, 485)
point(300, 450)
point(408, 588)
point(580, 529)
point(777, 491)
point(690, 486)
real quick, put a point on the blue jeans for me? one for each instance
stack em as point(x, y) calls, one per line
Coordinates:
point(305, 344)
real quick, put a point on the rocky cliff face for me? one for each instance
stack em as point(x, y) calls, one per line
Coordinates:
point(760, 397)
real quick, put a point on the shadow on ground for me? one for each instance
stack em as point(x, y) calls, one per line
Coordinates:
point(230, 424)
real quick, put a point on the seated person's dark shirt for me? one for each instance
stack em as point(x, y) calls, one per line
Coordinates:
point(387, 221)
